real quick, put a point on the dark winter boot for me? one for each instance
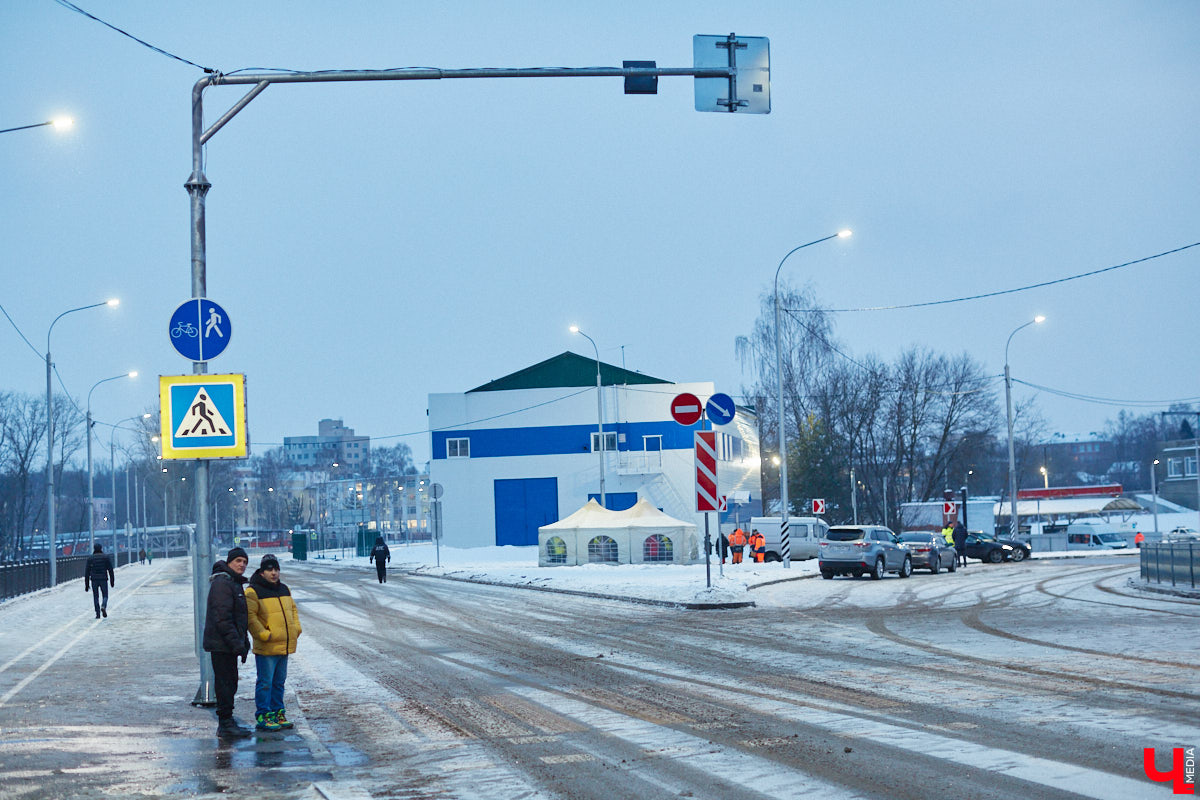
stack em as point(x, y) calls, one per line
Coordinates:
point(229, 729)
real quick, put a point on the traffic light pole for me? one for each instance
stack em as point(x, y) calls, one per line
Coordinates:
point(639, 79)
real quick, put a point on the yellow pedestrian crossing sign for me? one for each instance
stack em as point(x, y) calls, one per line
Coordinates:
point(203, 416)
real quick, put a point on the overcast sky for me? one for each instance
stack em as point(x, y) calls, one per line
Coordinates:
point(374, 243)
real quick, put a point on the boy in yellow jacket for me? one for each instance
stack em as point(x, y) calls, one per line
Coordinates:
point(274, 629)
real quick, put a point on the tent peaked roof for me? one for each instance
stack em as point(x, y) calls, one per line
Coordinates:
point(566, 369)
point(589, 516)
point(643, 514)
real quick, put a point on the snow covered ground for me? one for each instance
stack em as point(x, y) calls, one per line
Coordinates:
point(670, 583)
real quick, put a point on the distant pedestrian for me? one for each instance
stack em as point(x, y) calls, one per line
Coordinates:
point(149, 556)
point(226, 624)
point(380, 555)
point(142, 556)
point(737, 543)
point(758, 546)
point(274, 628)
point(1138, 539)
point(948, 534)
point(98, 576)
point(722, 546)
point(959, 538)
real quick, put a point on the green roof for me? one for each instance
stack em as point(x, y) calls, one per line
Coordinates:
point(567, 369)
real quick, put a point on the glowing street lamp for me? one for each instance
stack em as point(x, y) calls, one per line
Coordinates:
point(783, 487)
point(1012, 461)
point(58, 123)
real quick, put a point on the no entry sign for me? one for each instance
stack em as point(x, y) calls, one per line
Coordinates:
point(686, 409)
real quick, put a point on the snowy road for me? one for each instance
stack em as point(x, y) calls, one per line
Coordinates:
point(1035, 680)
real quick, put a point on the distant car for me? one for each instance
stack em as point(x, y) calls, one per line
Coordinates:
point(987, 548)
point(863, 550)
point(1020, 550)
point(1182, 534)
point(930, 551)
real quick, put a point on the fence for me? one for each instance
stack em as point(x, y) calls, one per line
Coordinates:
point(21, 577)
point(1177, 564)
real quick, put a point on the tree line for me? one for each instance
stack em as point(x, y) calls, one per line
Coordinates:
point(870, 435)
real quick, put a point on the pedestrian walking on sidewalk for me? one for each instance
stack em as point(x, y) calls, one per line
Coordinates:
point(98, 576)
point(142, 556)
point(225, 635)
point(274, 629)
point(380, 554)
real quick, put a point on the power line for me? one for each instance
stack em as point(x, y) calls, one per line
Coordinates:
point(1086, 398)
point(1002, 291)
point(69, 5)
point(18, 330)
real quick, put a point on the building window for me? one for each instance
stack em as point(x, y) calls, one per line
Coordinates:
point(602, 550)
point(458, 448)
point(1174, 468)
point(658, 548)
point(556, 550)
point(610, 441)
point(1189, 466)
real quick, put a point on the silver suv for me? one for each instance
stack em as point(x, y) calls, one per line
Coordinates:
point(863, 550)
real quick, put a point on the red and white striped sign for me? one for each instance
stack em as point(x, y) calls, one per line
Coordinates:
point(706, 471)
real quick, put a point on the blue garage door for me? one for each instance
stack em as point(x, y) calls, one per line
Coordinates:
point(616, 501)
point(522, 506)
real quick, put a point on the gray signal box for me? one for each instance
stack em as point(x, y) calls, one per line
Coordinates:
point(747, 93)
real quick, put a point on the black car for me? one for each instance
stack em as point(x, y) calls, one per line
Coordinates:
point(987, 548)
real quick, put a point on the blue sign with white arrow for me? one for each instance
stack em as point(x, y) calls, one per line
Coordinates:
point(720, 409)
point(199, 329)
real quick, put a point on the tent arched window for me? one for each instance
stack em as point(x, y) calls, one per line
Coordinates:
point(658, 548)
point(602, 550)
point(556, 550)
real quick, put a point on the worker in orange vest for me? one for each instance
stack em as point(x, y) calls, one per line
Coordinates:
point(758, 546)
point(737, 543)
point(1138, 538)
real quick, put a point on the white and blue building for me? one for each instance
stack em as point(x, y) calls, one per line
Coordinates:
point(524, 450)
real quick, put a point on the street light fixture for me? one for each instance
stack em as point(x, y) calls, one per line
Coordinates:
point(91, 491)
point(1012, 460)
point(50, 440)
point(599, 411)
point(1154, 491)
point(59, 123)
point(783, 488)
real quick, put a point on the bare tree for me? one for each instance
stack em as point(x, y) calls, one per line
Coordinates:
point(22, 428)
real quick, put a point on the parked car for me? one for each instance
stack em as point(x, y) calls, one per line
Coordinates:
point(863, 550)
point(804, 536)
point(1182, 534)
point(1088, 537)
point(987, 548)
point(930, 551)
point(1020, 550)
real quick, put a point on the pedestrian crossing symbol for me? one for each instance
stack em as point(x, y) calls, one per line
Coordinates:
point(203, 416)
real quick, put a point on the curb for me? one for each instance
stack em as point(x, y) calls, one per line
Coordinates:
point(1191, 594)
point(595, 595)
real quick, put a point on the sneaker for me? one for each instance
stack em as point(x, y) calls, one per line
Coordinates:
point(282, 721)
point(229, 729)
point(266, 722)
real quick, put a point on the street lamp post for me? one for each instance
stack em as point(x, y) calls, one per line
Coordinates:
point(1154, 492)
point(52, 531)
point(1012, 459)
point(91, 488)
point(599, 411)
point(112, 472)
point(784, 512)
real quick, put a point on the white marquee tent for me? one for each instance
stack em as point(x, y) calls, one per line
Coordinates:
point(638, 535)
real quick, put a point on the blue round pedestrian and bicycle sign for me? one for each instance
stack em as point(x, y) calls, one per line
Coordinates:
point(720, 409)
point(199, 329)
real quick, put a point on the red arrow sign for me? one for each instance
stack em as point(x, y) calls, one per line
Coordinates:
point(686, 409)
point(818, 505)
point(950, 509)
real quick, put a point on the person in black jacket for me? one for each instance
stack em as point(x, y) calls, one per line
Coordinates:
point(226, 637)
point(98, 576)
point(960, 542)
point(380, 554)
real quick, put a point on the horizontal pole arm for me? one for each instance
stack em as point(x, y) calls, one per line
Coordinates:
point(429, 73)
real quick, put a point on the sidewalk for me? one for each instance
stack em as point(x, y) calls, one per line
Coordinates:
point(98, 708)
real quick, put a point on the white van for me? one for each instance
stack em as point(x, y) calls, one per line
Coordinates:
point(803, 535)
point(1095, 537)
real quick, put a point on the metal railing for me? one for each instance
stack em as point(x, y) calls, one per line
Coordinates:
point(22, 577)
point(1175, 563)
